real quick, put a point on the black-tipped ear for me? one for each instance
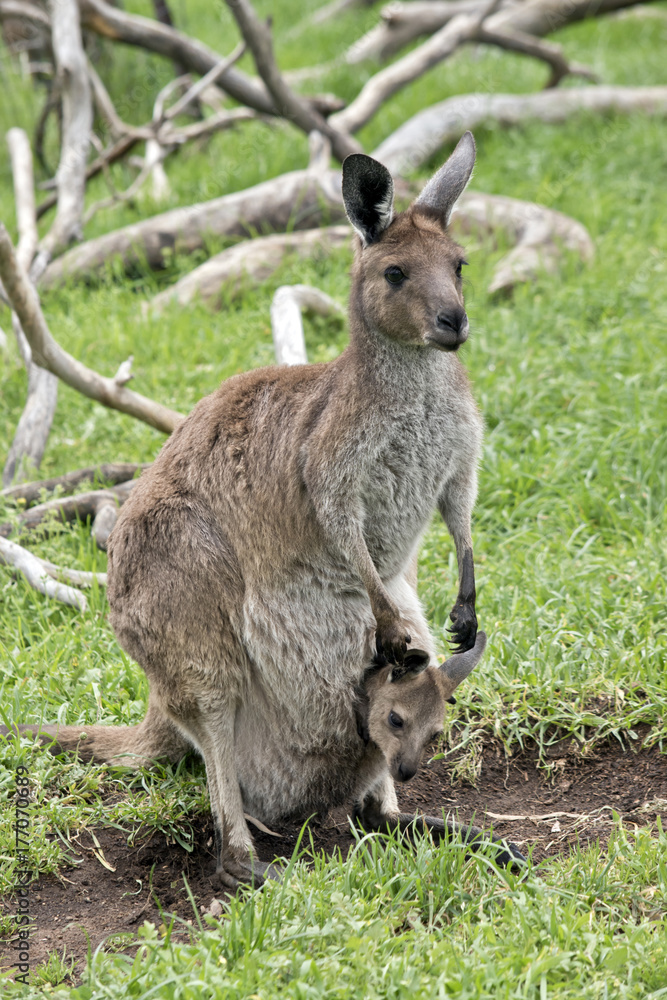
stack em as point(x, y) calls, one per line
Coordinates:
point(368, 194)
point(446, 187)
point(416, 660)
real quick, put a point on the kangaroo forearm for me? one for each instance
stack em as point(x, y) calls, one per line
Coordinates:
point(467, 593)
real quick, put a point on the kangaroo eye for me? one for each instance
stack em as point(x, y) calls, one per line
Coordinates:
point(394, 275)
point(462, 263)
point(395, 721)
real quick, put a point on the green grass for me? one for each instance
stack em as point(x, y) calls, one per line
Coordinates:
point(569, 536)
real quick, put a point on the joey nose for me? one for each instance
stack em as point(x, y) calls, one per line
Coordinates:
point(406, 771)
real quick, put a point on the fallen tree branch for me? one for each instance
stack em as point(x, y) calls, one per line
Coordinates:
point(37, 576)
point(527, 45)
point(289, 301)
point(254, 259)
point(32, 431)
point(63, 510)
point(425, 133)
point(80, 578)
point(298, 199)
point(404, 22)
point(257, 35)
point(193, 55)
point(539, 235)
point(462, 28)
point(77, 125)
point(113, 473)
point(48, 353)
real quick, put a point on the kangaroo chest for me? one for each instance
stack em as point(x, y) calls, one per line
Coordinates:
point(419, 452)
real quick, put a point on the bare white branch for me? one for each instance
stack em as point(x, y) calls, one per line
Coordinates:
point(289, 301)
point(37, 576)
point(48, 353)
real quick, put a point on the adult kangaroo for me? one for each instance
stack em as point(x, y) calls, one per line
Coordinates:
point(262, 570)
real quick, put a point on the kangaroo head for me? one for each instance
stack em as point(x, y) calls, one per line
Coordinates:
point(407, 270)
point(405, 710)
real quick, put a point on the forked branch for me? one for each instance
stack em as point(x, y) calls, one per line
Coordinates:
point(257, 35)
point(48, 353)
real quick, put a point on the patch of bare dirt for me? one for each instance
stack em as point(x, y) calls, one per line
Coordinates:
point(548, 812)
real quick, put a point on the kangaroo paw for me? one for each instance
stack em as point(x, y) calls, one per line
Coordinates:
point(232, 873)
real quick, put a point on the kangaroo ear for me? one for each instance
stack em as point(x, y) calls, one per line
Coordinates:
point(416, 660)
point(445, 188)
point(458, 666)
point(368, 194)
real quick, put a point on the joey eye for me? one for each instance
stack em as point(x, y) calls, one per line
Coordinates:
point(394, 275)
point(461, 264)
point(395, 721)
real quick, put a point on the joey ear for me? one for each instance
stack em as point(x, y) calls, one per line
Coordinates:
point(458, 666)
point(368, 194)
point(416, 660)
point(445, 188)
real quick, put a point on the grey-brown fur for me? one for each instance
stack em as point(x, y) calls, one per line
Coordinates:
point(267, 556)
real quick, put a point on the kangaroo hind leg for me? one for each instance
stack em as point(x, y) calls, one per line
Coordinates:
point(212, 731)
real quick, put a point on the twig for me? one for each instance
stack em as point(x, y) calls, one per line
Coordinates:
point(32, 569)
point(207, 80)
point(48, 353)
point(257, 35)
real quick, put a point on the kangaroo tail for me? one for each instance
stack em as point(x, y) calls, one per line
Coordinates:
point(131, 746)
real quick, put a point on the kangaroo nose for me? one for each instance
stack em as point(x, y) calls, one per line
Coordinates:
point(405, 772)
point(452, 319)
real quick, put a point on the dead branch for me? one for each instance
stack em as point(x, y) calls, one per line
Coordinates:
point(80, 578)
point(336, 7)
point(63, 510)
point(462, 28)
point(114, 153)
point(77, 124)
point(548, 52)
point(257, 35)
point(253, 259)
point(113, 473)
point(297, 199)
point(193, 55)
point(427, 131)
point(289, 301)
point(24, 9)
point(541, 17)
point(403, 23)
point(103, 523)
point(37, 576)
point(48, 353)
point(24, 194)
point(539, 235)
point(32, 431)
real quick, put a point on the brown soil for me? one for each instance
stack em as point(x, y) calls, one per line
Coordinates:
point(543, 813)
